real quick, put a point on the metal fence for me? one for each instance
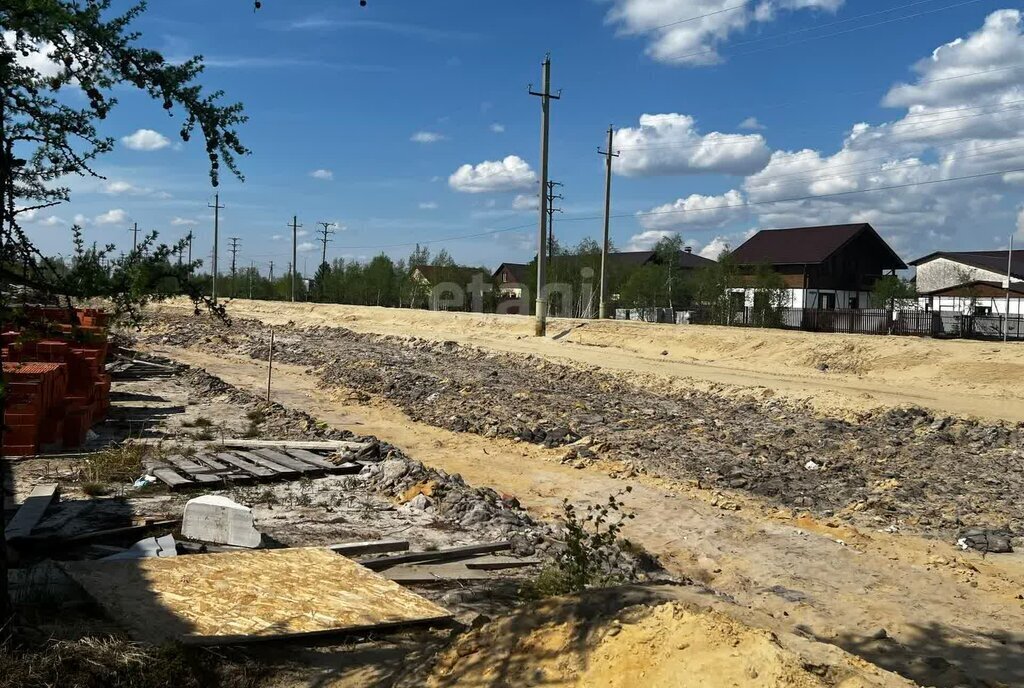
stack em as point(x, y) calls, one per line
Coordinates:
point(864, 321)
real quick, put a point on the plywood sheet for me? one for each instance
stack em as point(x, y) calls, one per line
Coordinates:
point(246, 596)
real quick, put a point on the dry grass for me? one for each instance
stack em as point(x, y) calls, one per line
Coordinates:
point(121, 464)
point(113, 663)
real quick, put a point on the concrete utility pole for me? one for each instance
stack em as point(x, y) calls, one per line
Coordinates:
point(292, 267)
point(252, 269)
point(325, 233)
point(602, 309)
point(135, 236)
point(1009, 275)
point(271, 272)
point(540, 328)
point(190, 252)
point(234, 254)
point(217, 207)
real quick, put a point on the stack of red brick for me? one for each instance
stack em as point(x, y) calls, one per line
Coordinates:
point(56, 387)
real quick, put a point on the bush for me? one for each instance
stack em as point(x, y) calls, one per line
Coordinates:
point(121, 464)
point(592, 555)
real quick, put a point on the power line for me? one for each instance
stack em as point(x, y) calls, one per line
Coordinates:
point(706, 51)
point(745, 139)
point(582, 218)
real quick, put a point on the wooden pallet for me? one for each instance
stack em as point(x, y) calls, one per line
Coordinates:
point(238, 467)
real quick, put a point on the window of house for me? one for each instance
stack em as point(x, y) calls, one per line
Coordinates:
point(738, 299)
point(983, 310)
point(827, 301)
point(855, 302)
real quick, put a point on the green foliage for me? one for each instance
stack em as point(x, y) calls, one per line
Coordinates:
point(120, 464)
point(770, 296)
point(892, 292)
point(711, 288)
point(592, 555)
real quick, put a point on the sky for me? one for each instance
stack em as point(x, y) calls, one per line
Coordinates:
point(410, 121)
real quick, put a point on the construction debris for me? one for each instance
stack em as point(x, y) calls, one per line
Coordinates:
point(240, 467)
point(31, 512)
point(220, 520)
point(150, 547)
point(248, 596)
point(437, 556)
point(351, 549)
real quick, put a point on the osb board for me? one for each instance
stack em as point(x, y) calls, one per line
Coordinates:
point(245, 596)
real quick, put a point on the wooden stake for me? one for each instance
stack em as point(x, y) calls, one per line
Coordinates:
point(270, 366)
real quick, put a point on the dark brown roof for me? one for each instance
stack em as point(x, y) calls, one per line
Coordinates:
point(453, 273)
point(517, 270)
point(807, 245)
point(993, 261)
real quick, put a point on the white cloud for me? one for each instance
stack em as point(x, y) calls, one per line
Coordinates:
point(498, 128)
point(511, 174)
point(146, 140)
point(674, 40)
point(119, 187)
point(526, 202)
point(183, 222)
point(115, 216)
point(426, 137)
point(668, 144)
point(277, 237)
point(38, 57)
point(752, 124)
point(306, 247)
point(694, 211)
point(645, 241)
point(714, 248)
point(326, 175)
point(81, 219)
point(52, 221)
point(429, 205)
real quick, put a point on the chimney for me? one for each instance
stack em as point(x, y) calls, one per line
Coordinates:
point(688, 249)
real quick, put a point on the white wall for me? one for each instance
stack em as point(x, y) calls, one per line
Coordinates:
point(965, 306)
point(808, 298)
point(942, 273)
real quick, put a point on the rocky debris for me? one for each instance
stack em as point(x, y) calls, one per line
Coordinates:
point(902, 466)
point(985, 540)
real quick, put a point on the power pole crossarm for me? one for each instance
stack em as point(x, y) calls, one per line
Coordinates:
point(602, 309)
point(540, 329)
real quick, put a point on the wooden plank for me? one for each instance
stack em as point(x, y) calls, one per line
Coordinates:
point(237, 597)
point(213, 463)
point(229, 473)
point(31, 512)
point(311, 458)
point(172, 479)
point(322, 445)
point(278, 470)
point(285, 460)
point(437, 556)
point(248, 466)
point(500, 563)
point(197, 471)
point(350, 549)
point(109, 533)
point(441, 573)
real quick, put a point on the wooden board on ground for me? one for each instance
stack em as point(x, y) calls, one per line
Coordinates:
point(30, 512)
point(434, 573)
point(172, 479)
point(198, 472)
point(253, 469)
point(311, 458)
point(351, 549)
point(289, 461)
point(280, 470)
point(437, 555)
point(248, 596)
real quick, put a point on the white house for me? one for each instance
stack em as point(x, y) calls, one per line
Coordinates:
point(971, 282)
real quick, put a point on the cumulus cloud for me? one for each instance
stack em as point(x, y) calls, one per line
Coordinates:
point(426, 137)
point(115, 216)
point(714, 248)
point(645, 241)
point(498, 128)
point(694, 211)
point(690, 32)
point(326, 175)
point(306, 247)
point(511, 174)
point(146, 140)
point(277, 237)
point(428, 205)
point(668, 144)
point(526, 202)
point(183, 222)
point(752, 124)
point(38, 57)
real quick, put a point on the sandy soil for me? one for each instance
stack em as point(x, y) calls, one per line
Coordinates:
point(837, 373)
point(921, 608)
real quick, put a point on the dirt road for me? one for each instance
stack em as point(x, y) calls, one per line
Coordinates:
point(934, 614)
point(835, 373)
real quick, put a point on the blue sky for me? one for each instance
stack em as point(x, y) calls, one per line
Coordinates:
point(367, 117)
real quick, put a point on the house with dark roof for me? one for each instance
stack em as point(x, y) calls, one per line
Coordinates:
point(826, 267)
point(435, 283)
point(971, 282)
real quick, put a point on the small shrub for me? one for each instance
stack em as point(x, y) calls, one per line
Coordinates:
point(204, 435)
point(252, 431)
point(256, 416)
point(92, 489)
point(268, 496)
point(592, 554)
point(201, 422)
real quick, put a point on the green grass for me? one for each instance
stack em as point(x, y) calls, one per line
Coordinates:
point(121, 464)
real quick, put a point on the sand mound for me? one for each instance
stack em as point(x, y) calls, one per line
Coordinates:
point(562, 644)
